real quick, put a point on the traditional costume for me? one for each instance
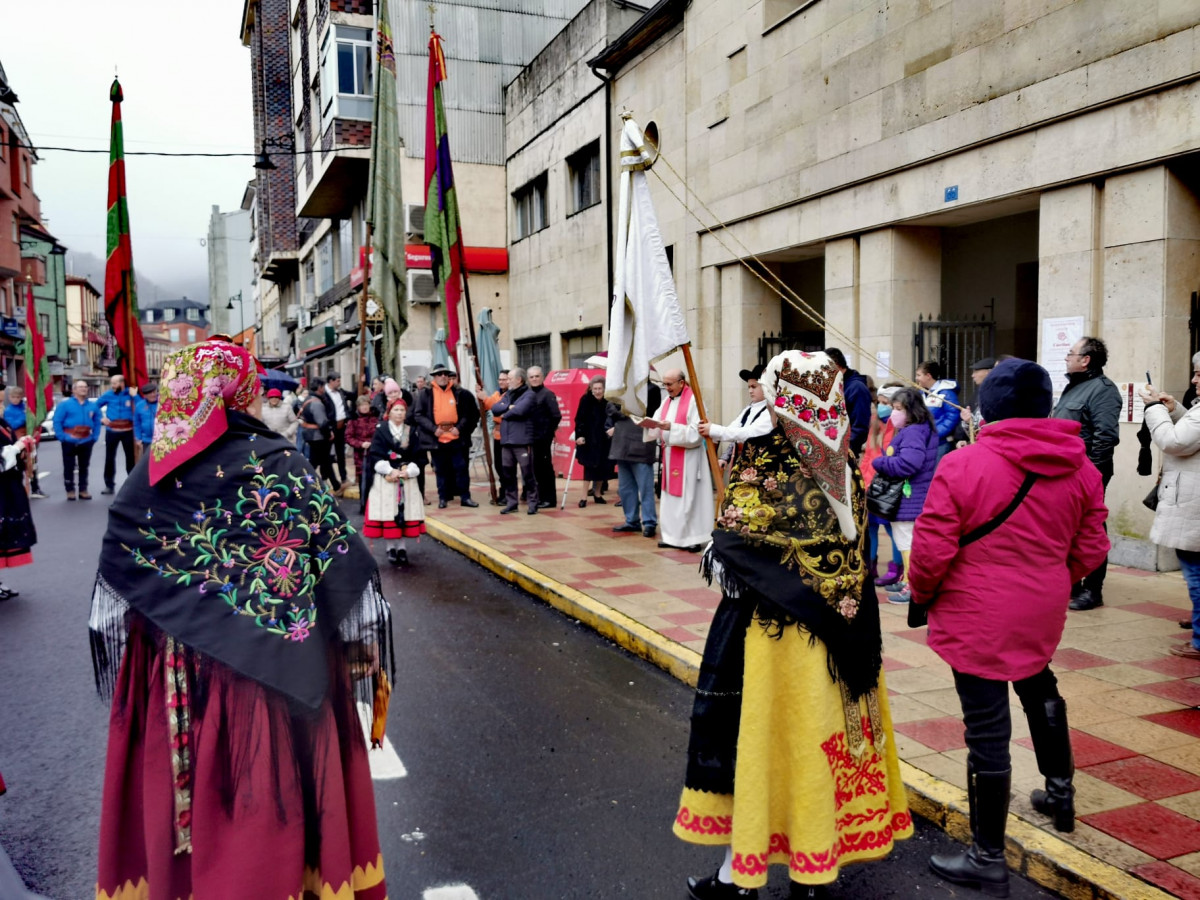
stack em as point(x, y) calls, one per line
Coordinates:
point(395, 510)
point(17, 533)
point(245, 615)
point(685, 513)
point(791, 758)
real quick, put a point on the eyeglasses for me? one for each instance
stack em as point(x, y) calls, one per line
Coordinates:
point(1077, 355)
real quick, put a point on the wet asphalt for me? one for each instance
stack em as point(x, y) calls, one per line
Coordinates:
point(543, 762)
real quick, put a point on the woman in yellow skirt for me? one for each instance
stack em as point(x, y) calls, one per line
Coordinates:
point(791, 759)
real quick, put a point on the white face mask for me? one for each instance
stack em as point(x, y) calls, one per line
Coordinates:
point(899, 418)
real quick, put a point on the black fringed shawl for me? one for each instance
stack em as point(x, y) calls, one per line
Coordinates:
point(244, 558)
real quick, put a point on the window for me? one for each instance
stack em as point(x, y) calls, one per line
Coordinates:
point(16, 229)
point(191, 335)
point(174, 335)
point(529, 208)
point(580, 345)
point(345, 247)
point(346, 75)
point(27, 170)
point(149, 320)
point(534, 352)
point(584, 167)
point(310, 287)
point(192, 315)
point(325, 263)
point(44, 324)
point(168, 315)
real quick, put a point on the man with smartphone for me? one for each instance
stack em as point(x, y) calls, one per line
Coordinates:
point(1093, 401)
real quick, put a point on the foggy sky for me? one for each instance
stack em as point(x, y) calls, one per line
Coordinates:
point(186, 79)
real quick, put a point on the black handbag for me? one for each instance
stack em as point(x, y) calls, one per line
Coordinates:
point(884, 496)
point(1150, 501)
point(918, 613)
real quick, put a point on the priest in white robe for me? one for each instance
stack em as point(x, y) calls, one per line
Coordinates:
point(685, 513)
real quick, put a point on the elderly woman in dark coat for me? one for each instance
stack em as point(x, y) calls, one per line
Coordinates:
point(592, 441)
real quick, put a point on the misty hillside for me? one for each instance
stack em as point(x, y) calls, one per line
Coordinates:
point(92, 267)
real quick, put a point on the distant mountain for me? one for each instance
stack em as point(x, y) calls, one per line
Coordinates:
point(92, 267)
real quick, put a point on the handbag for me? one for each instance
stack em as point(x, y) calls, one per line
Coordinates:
point(1150, 501)
point(918, 613)
point(884, 495)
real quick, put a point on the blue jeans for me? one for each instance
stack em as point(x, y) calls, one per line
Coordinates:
point(1189, 562)
point(873, 523)
point(635, 486)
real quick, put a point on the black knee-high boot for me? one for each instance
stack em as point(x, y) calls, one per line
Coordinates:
point(982, 866)
point(1052, 745)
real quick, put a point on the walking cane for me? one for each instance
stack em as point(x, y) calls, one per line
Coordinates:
point(570, 469)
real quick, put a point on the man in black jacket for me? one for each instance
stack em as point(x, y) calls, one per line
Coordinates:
point(858, 400)
point(545, 423)
point(317, 429)
point(444, 417)
point(1095, 403)
point(339, 405)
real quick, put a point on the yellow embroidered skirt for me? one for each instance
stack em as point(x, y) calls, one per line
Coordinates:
point(800, 797)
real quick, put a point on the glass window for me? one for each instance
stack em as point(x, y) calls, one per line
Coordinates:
point(325, 263)
point(534, 352)
point(174, 335)
point(529, 208)
point(149, 317)
point(168, 315)
point(192, 315)
point(585, 177)
point(191, 335)
point(310, 286)
point(345, 247)
point(44, 324)
point(580, 345)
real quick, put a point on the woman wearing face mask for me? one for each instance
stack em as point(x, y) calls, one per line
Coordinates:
point(879, 438)
point(913, 456)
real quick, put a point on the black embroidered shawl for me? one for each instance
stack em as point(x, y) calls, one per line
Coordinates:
point(242, 556)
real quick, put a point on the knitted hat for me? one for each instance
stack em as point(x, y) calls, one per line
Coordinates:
point(390, 385)
point(1016, 389)
point(274, 392)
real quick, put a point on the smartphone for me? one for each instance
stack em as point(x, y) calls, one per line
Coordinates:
point(1148, 381)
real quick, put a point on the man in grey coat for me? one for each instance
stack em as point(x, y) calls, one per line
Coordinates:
point(635, 470)
point(1093, 401)
point(517, 411)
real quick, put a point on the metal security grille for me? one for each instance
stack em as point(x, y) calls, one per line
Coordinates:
point(956, 345)
point(772, 343)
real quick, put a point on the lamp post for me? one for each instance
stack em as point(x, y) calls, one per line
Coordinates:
point(241, 314)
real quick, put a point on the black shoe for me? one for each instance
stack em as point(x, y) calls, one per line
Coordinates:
point(806, 892)
point(695, 548)
point(649, 531)
point(982, 866)
point(599, 499)
point(1185, 623)
point(108, 490)
point(1051, 737)
point(507, 510)
point(545, 504)
point(391, 555)
point(1087, 599)
point(532, 511)
point(664, 545)
point(626, 528)
point(401, 557)
point(583, 503)
point(84, 495)
point(441, 504)
point(711, 888)
point(467, 501)
point(8, 593)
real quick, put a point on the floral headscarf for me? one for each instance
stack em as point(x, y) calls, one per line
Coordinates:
point(805, 390)
point(199, 383)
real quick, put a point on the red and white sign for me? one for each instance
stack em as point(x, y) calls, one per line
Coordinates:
point(568, 385)
point(480, 260)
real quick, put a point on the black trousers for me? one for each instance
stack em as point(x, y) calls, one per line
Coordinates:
point(113, 440)
point(1094, 580)
point(339, 448)
point(543, 471)
point(522, 457)
point(72, 454)
point(501, 472)
point(988, 718)
point(450, 466)
point(320, 454)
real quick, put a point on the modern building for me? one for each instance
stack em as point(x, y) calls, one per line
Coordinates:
point(231, 279)
point(917, 180)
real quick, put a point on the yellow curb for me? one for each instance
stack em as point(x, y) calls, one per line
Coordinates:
point(1038, 855)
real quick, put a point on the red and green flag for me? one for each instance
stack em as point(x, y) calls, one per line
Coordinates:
point(38, 388)
point(120, 293)
point(443, 228)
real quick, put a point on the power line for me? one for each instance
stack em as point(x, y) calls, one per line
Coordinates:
point(273, 152)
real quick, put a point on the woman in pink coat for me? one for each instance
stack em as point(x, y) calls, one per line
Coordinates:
point(998, 596)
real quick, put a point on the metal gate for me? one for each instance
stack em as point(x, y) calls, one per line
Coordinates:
point(956, 345)
point(772, 343)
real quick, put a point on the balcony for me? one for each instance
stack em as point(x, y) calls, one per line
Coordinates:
point(281, 266)
point(339, 172)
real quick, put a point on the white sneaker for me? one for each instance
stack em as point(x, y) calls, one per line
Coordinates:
point(38, 495)
point(903, 596)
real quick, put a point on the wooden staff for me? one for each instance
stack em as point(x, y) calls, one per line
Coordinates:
point(363, 387)
point(714, 467)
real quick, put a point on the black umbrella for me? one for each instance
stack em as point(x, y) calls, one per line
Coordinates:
point(279, 380)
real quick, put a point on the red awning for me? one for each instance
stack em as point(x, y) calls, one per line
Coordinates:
point(480, 260)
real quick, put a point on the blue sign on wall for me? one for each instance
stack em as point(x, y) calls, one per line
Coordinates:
point(11, 327)
point(952, 193)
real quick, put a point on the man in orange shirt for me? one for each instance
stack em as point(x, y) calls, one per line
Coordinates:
point(445, 417)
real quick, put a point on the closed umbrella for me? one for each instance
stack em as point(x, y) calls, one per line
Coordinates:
point(441, 356)
point(489, 351)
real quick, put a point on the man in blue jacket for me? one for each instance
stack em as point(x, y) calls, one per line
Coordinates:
point(77, 425)
point(941, 397)
point(144, 412)
point(116, 411)
point(858, 400)
point(516, 411)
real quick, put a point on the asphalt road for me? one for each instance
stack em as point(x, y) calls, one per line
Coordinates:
point(543, 762)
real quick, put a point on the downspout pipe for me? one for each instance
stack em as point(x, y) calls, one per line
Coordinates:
point(608, 172)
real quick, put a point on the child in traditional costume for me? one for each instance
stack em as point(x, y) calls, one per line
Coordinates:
point(791, 758)
point(236, 617)
point(395, 510)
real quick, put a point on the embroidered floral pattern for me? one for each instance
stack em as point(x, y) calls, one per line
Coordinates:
point(701, 824)
point(263, 557)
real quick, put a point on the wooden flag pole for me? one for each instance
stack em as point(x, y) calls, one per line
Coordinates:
point(714, 466)
point(363, 387)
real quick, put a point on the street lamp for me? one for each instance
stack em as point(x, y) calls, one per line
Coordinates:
point(241, 314)
point(263, 160)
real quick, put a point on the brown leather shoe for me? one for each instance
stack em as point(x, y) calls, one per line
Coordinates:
point(70, 495)
point(84, 495)
point(1187, 651)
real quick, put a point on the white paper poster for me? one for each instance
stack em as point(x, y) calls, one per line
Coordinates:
point(883, 365)
point(1058, 336)
point(1133, 407)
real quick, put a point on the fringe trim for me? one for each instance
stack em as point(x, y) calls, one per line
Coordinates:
point(856, 738)
point(108, 629)
point(370, 650)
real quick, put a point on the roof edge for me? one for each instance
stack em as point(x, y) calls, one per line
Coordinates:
point(657, 21)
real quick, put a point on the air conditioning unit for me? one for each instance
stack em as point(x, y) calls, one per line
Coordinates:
point(305, 318)
point(293, 313)
point(414, 219)
point(421, 287)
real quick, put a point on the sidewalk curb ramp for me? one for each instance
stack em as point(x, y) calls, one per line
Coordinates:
point(1037, 854)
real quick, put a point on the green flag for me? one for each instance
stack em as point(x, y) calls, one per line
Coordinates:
point(385, 208)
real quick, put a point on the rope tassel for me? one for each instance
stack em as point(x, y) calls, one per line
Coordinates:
point(383, 694)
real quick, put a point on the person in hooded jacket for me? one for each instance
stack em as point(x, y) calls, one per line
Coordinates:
point(941, 398)
point(913, 456)
point(997, 608)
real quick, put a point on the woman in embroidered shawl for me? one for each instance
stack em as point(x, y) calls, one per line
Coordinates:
point(395, 510)
point(791, 758)
point(17, 532)
point(235, 619)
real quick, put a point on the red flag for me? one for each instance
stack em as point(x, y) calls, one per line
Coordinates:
point(120, 293)
point(39, 391)
point(443, 227)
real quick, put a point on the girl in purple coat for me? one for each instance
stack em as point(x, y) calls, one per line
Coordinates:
point(912, 455)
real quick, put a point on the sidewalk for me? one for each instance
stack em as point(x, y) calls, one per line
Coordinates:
point(1132, 706)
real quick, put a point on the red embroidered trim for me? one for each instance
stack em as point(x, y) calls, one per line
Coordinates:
point(703, 824)
point(822, 861)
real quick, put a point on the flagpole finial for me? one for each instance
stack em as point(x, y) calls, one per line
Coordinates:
point(432, 10)
point(626, 114)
